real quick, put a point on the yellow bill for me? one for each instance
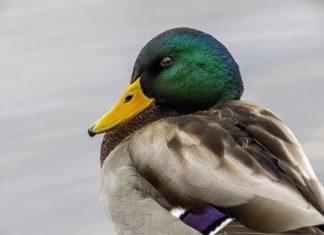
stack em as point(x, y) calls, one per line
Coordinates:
point(132, 102)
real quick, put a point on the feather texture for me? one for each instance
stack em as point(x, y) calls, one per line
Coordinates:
point(235, 156)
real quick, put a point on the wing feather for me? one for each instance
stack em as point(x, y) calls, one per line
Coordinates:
point(239, 157)
point(272, 134)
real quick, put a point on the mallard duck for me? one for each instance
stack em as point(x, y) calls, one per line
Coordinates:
point(182, 154)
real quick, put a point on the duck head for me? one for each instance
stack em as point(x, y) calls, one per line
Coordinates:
point(182, 69)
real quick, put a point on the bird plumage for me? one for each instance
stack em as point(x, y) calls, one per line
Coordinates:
point(236, 156)
point(180, 138)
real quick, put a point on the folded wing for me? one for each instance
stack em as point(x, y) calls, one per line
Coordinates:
point(237, 157)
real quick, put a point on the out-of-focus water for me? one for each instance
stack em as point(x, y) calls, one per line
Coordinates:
point(63, 63)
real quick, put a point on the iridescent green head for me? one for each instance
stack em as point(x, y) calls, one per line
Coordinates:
point(187, 70)
point(182, 69)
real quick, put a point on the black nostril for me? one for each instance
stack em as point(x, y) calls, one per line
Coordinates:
point(91, 133)
point(128, 98)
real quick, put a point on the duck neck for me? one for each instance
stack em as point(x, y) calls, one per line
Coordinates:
point(115, 137)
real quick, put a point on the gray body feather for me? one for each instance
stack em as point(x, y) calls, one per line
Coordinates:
point(236, 156)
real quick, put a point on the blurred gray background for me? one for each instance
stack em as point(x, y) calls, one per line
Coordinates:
point(63, 63)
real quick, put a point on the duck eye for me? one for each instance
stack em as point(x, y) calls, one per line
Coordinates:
point(166, 61)
point(128, 98)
